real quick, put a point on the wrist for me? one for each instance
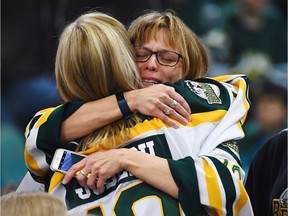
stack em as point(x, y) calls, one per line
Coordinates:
point(129, 95)
point(123, 158)
point(123, 105)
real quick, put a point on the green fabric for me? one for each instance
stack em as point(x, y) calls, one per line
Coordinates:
point(48, 138)
point(184, 174)
point(198, 103)
point(227, 183)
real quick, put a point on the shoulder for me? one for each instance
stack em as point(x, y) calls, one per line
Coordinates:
point(205, 94)
point(273, 153)
point(275, 144)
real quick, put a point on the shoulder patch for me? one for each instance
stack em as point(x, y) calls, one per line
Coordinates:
point(231, 144)
point(207, 91)
point(280, 205)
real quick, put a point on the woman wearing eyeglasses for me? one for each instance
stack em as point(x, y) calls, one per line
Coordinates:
point(203, 172)
point(188, 61)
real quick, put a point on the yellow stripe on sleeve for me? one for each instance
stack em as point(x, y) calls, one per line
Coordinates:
point(33, 165)
point(45, 115)
point(213, 188)
point(242, 199)
point(55, 180)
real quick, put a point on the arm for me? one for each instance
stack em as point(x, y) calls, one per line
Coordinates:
point(153, 101)
point(214, 181)
point(43, 138)
point(52, 128)
point(105, 164)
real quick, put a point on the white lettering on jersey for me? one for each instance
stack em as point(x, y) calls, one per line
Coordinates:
point(113, 181)
point(81, 194)
point(148, 145)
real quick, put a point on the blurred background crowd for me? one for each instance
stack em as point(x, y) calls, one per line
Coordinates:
point(241, 36)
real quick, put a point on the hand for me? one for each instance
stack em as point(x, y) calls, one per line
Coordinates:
point(157, 99)
point(98, 167)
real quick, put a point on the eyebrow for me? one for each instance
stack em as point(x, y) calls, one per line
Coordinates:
point(158, 49)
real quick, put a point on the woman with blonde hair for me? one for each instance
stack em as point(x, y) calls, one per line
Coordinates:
point(31, 204)
point(156, 99)
point(149, 167)
point(95, 64)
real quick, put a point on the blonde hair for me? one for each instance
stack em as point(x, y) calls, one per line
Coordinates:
point(94, 59)
point(146, 27)
point(31, 204)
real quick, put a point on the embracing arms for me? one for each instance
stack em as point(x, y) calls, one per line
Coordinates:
point(215, 181)
point(105, 164)
point(153, 101)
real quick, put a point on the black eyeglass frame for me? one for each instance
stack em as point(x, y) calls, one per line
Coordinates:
point(157, 53)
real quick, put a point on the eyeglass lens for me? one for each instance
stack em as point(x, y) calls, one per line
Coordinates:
point(166, 58)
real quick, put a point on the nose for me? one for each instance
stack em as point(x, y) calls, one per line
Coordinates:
point(152, 63)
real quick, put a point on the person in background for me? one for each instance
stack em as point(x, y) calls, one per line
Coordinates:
point(31, 204)
point(266, 182)
point(254, 29)
point(267, 117)
point(138, 130)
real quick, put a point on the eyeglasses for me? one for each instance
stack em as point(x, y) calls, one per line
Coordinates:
point(164, 57)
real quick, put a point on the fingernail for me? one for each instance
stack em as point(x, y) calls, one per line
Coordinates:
point(176, 126)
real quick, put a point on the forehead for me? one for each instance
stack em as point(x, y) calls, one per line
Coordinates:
point(160, 39)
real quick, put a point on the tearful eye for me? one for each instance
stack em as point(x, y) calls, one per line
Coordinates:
point(164, 57)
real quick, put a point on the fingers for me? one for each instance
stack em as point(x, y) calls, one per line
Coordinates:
point(85, 176)
point(162, 101)
point(92, 180)
point(170, 116)
point(181, 114)
point(182, 106)
point(82, 179)
point(72, 172)
point(99, 183)
point(174, 107)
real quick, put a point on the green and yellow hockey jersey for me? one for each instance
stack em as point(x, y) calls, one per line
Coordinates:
point(203, 157)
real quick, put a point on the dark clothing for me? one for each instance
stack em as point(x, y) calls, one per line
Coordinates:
point(267, 177)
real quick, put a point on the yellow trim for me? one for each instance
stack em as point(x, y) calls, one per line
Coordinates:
point(148, 197)
point(27, 130)
point(242, 200)
point(44, 116)
point(239, 82)
point(239, 125)
point(94, 207)
point(156, 124)
point(55, 180)
point(213, 189)
point(200, 118)
point(224, 78)
point(243, 87)
point(196, 119)
point(33, 165)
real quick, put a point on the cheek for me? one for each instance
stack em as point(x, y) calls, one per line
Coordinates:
point(140, 67)
point(174, 74)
